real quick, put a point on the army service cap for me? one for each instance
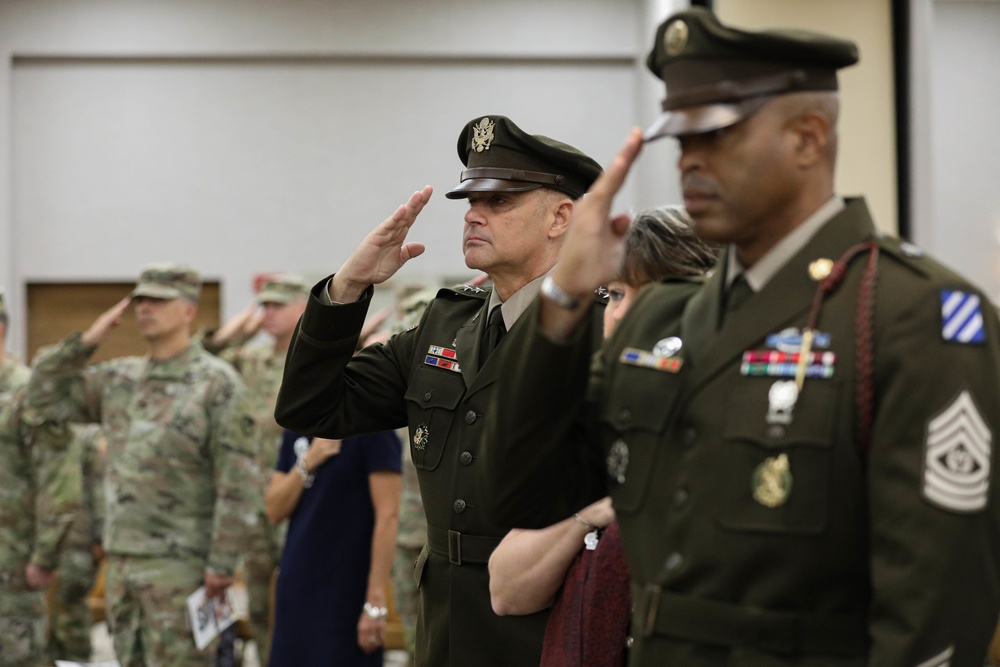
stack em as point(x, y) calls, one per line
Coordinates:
point(716, 75)
point(282, 288)
point(168, 281)
point(501, 157)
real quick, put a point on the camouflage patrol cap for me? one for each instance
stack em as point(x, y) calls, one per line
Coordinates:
point(168, 281)
point(501, 157)
point(716, 75)
point(282, 288)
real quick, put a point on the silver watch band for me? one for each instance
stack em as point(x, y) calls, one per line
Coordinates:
point(557, 295)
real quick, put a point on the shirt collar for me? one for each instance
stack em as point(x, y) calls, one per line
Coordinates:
point(763, 270)
point(512, 308)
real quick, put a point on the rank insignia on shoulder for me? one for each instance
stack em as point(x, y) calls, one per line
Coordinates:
point(442, 357)
point(961, 317)
point(772, 481)
point(790, 340)
point(957, 459)
point(475, 289)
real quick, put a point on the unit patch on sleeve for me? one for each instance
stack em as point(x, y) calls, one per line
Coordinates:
point(957, 458)
point(961, 317)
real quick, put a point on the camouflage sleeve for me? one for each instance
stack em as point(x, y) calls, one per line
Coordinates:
point(63, 387)
point(237, 503)
point(57, 484)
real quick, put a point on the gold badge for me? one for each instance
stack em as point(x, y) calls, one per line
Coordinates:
point(676, 38)
point(482, 135)
point(820, 269)
point(772, 481)
point(420, 438)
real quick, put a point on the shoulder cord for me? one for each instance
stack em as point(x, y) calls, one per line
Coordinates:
point(864, 336)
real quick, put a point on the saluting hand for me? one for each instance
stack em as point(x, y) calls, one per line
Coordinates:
point(381, 253)
point(244, 324)
point(105, 322)
point(593, 249)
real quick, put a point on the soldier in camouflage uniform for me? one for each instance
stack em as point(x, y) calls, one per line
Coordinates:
point(180, 449)
point(38, 495)
point(412, 533)
point(261, 363)
point(69, 617)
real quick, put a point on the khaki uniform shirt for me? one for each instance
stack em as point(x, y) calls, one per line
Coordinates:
point(757, 530)
point(180, 447)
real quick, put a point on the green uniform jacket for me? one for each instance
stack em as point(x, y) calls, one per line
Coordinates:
point(180, 447)
point(39, 492)
point(757, 543)
point(411, 380)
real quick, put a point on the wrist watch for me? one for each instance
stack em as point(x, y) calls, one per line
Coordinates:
point(557, 295)
point(375, 613)
point(300, 467)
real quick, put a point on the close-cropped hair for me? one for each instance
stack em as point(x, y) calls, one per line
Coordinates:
point(660, 242)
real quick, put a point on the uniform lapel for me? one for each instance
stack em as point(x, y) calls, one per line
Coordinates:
point(701, 315)
point(468, 343)
point(783, 302)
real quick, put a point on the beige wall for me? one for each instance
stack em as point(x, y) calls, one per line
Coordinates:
point(867, 163)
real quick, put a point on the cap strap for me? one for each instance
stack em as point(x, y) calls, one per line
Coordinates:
point(513, 175)
point(736, 90)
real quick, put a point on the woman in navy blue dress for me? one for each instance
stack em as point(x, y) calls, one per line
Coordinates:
point(342, 498)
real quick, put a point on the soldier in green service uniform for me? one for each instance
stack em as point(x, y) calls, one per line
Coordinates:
point(437, 377)
point(180, 449)
point(70, 619)
point(39, 494)
point(800, 452)
point(282, 297)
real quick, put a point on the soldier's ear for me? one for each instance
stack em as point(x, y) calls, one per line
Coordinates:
point(812, 133)
point(561, 213)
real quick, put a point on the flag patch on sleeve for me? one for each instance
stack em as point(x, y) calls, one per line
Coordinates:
point(957, 457)
point(961, 317)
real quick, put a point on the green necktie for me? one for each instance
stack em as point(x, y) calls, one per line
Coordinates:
point(495, 330)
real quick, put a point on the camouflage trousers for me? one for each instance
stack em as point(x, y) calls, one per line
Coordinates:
point(69, 618)
point(258, 567)
point(147, 610)
point(405, 593)
point(22, 624)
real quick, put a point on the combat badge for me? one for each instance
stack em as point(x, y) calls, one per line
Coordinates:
point(420, 437)
point(781, 401)
point(618, 461)
point(482, 135)
point(957, 459)
point(961, 317)
point(790, 340)
point(772, 481)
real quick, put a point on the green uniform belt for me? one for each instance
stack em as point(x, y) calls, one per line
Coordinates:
point(667, 614)
point(459, 547)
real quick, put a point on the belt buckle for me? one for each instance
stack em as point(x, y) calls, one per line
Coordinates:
point(651, 600)
point(454, 547)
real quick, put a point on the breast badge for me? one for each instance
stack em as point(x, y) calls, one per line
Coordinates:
point(781, 401)
point(420, 437)
point(618, 461)
point(772, 481)
point(957, 459)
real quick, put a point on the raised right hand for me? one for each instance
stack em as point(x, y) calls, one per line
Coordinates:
point(381, 253)
point(105, 322)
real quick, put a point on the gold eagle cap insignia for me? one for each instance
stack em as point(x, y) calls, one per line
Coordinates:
point(676, 38)
point(482, 135)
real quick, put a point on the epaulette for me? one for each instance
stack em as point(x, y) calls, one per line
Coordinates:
point(467, 291)
point(908, 254)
